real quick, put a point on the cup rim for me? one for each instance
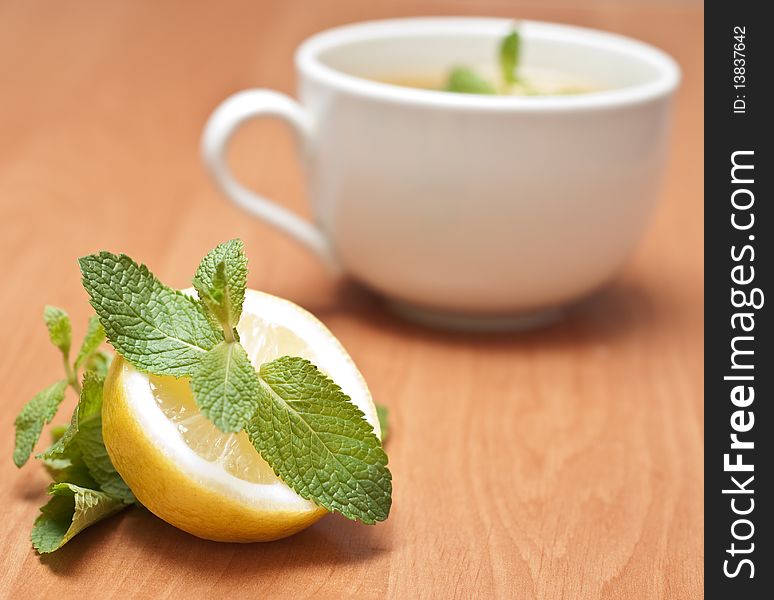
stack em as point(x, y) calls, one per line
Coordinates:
point(309, 65)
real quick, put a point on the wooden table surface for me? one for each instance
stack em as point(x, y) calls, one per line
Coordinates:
point(563, 463)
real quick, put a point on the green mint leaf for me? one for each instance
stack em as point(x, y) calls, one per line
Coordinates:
point(89, 406)
point(226, 386)
point(95, 456)
point(466, 81)
point(71, 510)
point(59, 328)
point(70, 470)
point(157, 329)
point(383, 414)
point(95, 335)
point(57, 432)
point(99, 363)
point(220, 282)
point(60, 448)
point(510, 48)
point(90, 443)
point(36, 413)
point(318, 442)
point(212, 293)
point(63, 460)
point(82, 442)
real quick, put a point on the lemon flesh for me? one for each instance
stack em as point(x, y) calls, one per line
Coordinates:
point(185, 470)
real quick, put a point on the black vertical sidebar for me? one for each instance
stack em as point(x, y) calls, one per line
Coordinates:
point(739, 264)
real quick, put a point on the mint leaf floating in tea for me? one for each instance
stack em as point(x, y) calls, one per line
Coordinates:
point(463, 80)
point(510, 49)
point(509, 79)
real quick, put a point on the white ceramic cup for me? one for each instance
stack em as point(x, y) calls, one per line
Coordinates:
point(466, 210)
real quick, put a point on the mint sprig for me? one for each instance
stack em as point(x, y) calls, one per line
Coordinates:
point(82, 441)
point(316, 440)
point(297, 418)
point(224, 384)
point(86, 486)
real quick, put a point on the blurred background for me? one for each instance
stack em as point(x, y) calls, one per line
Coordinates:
point(564, 462)
point(103, 104)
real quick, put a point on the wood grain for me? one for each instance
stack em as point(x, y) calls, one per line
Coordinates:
point(564, 463)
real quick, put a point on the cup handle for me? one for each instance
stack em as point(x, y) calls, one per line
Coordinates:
point(221, 125)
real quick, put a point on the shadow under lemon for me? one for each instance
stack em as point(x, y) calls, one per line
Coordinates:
point(138, 533)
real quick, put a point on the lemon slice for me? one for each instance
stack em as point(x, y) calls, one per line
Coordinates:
point(185, 470)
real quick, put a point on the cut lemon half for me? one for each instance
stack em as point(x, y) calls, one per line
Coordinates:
point(185, 470)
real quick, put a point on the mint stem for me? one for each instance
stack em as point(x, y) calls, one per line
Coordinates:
point(224, 318)
point(72, 376)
